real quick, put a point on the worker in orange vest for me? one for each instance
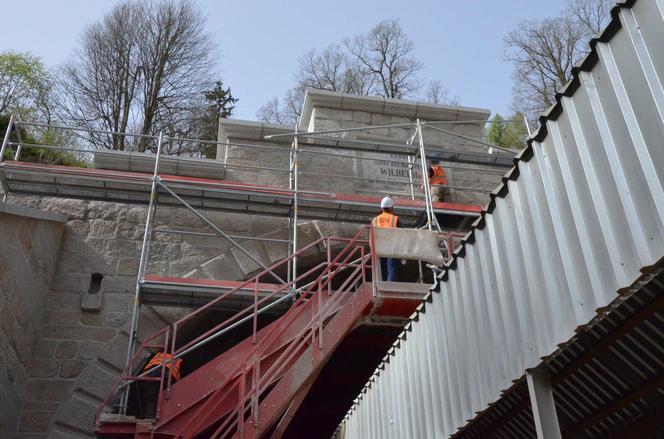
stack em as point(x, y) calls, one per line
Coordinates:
point(149, 390)
point(437, 180)
point(389, 266)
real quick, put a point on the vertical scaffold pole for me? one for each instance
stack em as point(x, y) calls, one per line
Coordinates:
point(425, 180)
point(145, 250)
point(295, 204)
point(525, 121)
point(5, 142)
point(411, 160)
point(17, 155)
point(291, 185)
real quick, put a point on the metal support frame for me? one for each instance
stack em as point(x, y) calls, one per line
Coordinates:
point(543, 404)
point(427, 188)
point(5, 142)
point(147, 236)
point(295, 202)
point(219, 231)
point(19, 147)
point(158, 185)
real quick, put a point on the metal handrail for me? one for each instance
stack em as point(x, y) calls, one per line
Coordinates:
point(269, 336)
point(171, 331)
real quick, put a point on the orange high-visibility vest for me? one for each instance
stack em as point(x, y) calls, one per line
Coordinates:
point(385, 219)
point(438, 175)
point(161, 358)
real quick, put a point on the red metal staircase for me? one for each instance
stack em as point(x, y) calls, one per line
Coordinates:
point(252, 389)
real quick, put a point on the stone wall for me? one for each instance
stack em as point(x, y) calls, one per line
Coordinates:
point(340, 170)
point(481, 179)
point(79, 345)
point(29, 247)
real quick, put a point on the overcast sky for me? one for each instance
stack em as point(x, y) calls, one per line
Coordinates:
point(459, 41)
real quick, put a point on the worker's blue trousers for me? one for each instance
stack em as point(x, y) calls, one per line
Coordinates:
point(389, 268)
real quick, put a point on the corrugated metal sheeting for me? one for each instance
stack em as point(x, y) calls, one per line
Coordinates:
point(566, 235)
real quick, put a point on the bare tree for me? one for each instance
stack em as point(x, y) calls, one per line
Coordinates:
point(97, 88)
point(592, 15)
point(437, 93)
point(379, 63)
point(329, 69)
point(333, 69)
point(144, 67)
point(544, 52)
point(387, 54)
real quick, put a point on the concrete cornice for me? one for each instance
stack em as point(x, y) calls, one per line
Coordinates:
point(394, 107)
point(250, 130)
point(29, 212)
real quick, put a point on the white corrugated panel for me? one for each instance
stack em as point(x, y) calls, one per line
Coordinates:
point(576, 220)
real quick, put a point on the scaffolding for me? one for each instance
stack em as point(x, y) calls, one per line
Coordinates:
point(180, 186)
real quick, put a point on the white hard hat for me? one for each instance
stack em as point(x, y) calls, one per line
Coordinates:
point(386, 203)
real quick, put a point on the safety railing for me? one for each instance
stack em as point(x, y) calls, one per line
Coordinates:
point(262, 381)
point(324, 272)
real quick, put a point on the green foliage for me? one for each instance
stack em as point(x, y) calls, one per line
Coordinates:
point(38, 154)
point(220, 104)
point(24, 84)
point(510, 133)
point(495, 133)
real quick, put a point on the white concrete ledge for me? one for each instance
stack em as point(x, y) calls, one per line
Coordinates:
point(250, 130)
point(29, 212)
point(387, 106)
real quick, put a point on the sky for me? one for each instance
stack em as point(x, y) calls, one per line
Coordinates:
point(460, 42)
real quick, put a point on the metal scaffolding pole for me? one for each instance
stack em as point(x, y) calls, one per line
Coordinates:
point(428, 205)
point(5, 142)
point(295, 203)
point(220, 232)
point(142, 264)
point(471, 139)
point(291, 184)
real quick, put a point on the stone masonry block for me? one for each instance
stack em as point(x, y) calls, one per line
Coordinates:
point(72, 368)
point(65, 332)
point(35, 422)
point(361, 116)
point(67, 349)
point(186, 218)
point(101, 333)
point(106, 210)
point(64, 301)
point(89, 349)
point(116, 302)
point(276, 251)
point(96, 381)
point(71, 283)
point(119, 284)
point(136, 215)
point(115, 352)
point(63, 317)
point(43, 368)
point(48, 389)
point(117, 319)
point(127, 267)
point(102, 229)
point(77, 413)
point(45, 348)
point(248, 265)
point(129, 231)
point(74, 209)
point(93, 318)
point(76, 227)
point(223, 267)
point(38, 406)
point(91, 302)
